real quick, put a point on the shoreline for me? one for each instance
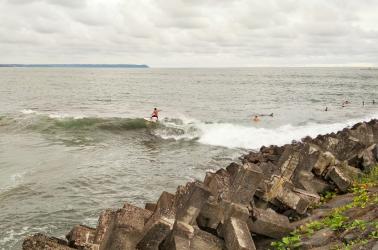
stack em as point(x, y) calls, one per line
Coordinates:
point(238, 207)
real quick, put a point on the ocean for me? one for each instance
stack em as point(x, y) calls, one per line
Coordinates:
point(73, 141)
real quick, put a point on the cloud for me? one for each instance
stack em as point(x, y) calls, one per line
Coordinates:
point(190, 33)
point(64, 3)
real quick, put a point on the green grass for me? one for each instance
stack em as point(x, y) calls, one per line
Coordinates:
point(370, 178)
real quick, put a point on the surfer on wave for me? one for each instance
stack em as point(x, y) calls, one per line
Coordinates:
point(155, 114)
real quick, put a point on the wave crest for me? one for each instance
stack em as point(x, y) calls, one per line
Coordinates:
point(52, 122)
point(215, 134)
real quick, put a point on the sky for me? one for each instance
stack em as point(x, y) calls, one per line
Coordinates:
point(191, 33)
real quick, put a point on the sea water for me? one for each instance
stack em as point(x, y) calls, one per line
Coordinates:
point(74, 142)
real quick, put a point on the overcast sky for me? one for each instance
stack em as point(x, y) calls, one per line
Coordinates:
point(190, 33)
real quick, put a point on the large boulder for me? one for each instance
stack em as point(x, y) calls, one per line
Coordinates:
point(154, 233)
point(363, 133)
point(342, 146)
point(374, 126)
point(245, 183)
point(311, 183)
point(216, 212)
point(42, 242)
point(159, 224)
point(219, 183)
point(269, 223)
point(342, 175)
point(237, 235)
point(122, 228)
point(289, 161)
point(368, 158)
point(205, 241)
point(81, 236)
point(190, 201)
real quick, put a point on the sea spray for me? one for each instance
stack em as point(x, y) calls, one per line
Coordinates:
point(250, 137)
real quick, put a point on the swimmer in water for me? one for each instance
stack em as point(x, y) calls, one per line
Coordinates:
point(256, 118)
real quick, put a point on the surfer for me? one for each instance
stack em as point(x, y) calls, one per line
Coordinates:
point(256, 118)
point(155, 114)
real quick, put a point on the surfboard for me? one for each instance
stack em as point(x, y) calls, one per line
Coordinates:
point(151, 119)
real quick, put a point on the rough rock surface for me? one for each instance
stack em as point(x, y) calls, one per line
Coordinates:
point(243, 206)
point(40, 241)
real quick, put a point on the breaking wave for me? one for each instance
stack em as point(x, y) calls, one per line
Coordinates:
point(215, 134)
point(249, 137)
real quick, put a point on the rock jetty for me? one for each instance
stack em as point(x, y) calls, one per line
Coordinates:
point(247, 205)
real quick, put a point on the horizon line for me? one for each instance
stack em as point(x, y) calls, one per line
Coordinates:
point(80, 65)
point(125, 65)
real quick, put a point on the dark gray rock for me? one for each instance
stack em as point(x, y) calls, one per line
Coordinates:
point(269, 223)
point(211, 214)
point(363, 132)
point(319, 238)
point(237, 235)
point(154, 234)
point(205, 241)
point(123, 227)
point(196, 198)
point(219, 184)
point(245, 184)
point(150, 206)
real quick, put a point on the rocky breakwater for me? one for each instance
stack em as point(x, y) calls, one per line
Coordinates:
point(245, 206)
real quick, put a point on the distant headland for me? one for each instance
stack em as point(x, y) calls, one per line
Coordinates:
point(75, 65)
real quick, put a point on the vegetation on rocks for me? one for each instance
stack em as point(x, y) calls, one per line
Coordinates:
point(337, 220)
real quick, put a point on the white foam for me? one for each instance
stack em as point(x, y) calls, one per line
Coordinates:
point(183, 128)
point(53, 115)
point(12, 236)
point(248, 137)
point(211, 170)
point(28, 111)
point(14, 181)
point(236, 136)
point(17, 177)
point(63, 116)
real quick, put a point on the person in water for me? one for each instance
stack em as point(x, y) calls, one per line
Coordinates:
point(345, 103)
point(155, 114)
point(256, 118)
